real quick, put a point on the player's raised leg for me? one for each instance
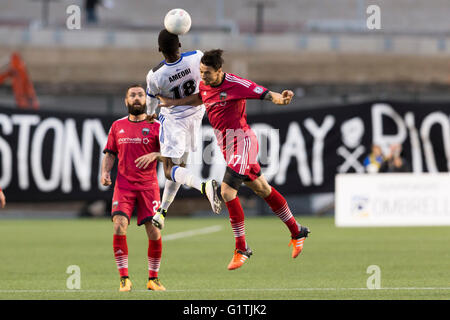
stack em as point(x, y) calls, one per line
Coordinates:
point(170, 191)
point(154, 257)
point(208, 188)
point(121, 250)
point(176, 173)
point(280, 207)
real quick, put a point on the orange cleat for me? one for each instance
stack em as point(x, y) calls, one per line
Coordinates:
point(298, 242)
point(239, 258)
point(155, 285)
point(125, 285)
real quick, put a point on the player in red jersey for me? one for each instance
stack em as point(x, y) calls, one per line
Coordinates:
point(135, 142)
point(224, 96)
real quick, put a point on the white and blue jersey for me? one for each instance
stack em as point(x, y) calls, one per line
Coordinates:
point(175, 80)
point(180, 125)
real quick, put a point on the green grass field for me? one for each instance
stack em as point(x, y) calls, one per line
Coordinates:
point(414, 262)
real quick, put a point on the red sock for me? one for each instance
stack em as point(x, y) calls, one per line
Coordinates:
point(280, 207)
point(121, 254)
point(154, 257)
point(237, 222)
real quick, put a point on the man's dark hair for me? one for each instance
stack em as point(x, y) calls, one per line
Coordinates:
point(168, 42)
point(213, 58)
point(134, 85)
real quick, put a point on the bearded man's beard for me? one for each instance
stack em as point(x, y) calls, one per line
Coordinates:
point(137, 108)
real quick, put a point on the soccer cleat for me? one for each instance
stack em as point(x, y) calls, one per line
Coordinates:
point(158, 218)
point(155, 285)
point(298, 241)
point(209, 189)
point(125, 284)
point(239, 258)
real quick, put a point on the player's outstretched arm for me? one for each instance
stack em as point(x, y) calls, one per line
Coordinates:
point(192, 100)
point(107, 165)
point(283, 98)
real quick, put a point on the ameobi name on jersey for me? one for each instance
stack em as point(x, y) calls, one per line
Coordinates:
point(179, 75)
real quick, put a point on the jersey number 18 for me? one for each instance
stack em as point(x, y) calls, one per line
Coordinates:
point(187, 88)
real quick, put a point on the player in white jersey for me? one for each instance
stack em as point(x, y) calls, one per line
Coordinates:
point(178, 76)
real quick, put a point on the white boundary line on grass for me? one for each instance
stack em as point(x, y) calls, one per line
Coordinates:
point(212, 229)
point(191, 233)
point(230, 290)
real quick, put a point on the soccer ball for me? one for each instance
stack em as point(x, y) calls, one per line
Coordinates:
point(177, 21)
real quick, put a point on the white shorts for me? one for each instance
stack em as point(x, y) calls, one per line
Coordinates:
point(179, 135)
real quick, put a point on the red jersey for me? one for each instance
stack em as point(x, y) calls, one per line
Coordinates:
point(128, 141)
point(225, 103)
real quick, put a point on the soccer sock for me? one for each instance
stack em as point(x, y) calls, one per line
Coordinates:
point(154, 257)
point(280, 207)
point(237, 222)
point(170, 191)
point(121, 254)
point(184, 176)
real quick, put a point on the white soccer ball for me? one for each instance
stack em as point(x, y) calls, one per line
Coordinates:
point(177, 21)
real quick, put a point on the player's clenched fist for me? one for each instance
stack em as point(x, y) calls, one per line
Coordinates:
point(106, 179)
point(287, 96)
point(280, 98)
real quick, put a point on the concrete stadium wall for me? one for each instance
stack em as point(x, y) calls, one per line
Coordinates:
point(110, 66)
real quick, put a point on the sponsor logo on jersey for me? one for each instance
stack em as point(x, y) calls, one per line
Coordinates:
point(258, 90)
point(210, 105)
point(130, 140)
point(223, 95)
point(115, 204)
point(145, 141)
point(122, 131)
point(145, 131)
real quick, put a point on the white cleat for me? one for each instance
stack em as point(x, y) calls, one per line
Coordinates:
point(158, 219)
point(210, 190)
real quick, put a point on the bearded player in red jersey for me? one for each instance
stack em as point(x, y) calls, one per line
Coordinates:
point(224, 96)
point(135, 142)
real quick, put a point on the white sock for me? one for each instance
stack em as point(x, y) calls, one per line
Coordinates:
point(170, 191)
point(184, 176)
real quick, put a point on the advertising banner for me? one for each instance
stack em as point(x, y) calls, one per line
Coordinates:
point(51, 156)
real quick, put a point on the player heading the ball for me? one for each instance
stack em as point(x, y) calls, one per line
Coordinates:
point(224, 96)
point(178, 75)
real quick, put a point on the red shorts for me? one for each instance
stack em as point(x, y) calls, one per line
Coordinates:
point(241, 156)
point(146, 203)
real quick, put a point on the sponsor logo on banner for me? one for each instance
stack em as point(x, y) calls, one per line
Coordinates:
point(359, 207)
point(396, 199)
